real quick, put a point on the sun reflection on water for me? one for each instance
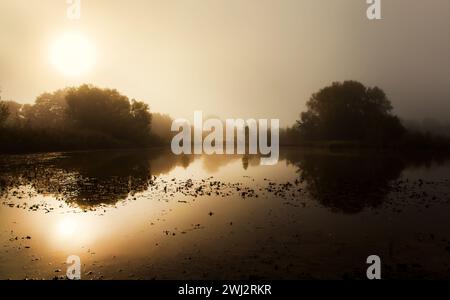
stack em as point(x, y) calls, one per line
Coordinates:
point(67, 227)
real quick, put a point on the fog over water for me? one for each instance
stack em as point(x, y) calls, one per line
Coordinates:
point(182, 56)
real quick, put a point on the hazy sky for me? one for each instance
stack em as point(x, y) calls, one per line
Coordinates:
point(235, 58)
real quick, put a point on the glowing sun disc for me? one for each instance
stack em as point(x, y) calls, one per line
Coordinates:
point(72, 54)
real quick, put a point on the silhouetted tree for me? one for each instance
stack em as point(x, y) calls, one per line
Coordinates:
point(78, 118)
point(15, 117)
point(161, 127)
point(141, 119)
point(289, 136)
point(350, 111)
point(48, 111)
point(110, 113)
point(3, 113)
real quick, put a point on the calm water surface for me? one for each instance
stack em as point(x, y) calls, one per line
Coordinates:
point(147, 214)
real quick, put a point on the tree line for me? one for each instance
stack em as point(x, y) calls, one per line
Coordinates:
point(349, 114)
point(77, 118)
point(344, 114)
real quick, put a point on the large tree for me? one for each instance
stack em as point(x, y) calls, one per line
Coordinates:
point(352, 112)
point(108, 112)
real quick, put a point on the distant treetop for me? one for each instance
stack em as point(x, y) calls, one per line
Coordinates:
point(352, 112)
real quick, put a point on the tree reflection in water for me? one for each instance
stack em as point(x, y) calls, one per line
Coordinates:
point(344, 181)
point(349, 182)
point(89, 179)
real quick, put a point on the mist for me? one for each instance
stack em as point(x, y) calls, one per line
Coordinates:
point(239, 59)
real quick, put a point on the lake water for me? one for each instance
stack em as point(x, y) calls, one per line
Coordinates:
point(148, 214)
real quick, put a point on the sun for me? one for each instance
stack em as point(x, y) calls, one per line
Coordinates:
point(67, 227)
point(72, 54)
